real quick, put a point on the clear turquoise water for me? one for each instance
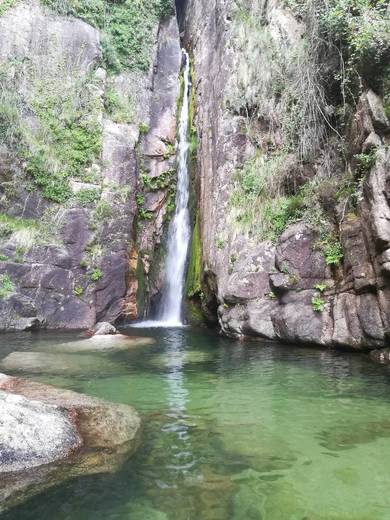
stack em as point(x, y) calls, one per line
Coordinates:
point(233, 431)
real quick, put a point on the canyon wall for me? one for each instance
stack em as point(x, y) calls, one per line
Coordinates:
point(88, 97)
point(294, 171)
point(289, 159)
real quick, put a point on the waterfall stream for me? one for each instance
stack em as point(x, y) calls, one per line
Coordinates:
point(169, 313)
point(170, 309)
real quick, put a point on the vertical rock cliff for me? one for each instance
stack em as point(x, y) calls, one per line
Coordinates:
point(88, 97)
point(293, 158)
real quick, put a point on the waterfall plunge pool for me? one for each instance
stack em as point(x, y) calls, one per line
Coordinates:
point(232, 431)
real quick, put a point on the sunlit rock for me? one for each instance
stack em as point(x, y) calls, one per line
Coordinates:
point(49, 435)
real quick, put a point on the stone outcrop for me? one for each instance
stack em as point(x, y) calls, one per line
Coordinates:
point(49, 435)
point(282, 290)
point(103, 328)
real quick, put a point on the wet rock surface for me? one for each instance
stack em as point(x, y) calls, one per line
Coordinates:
point(381, 356)
point(110, 343)
point(49, 435)
point(59, 363)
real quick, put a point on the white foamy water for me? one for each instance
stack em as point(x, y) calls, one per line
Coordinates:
point(169, 313)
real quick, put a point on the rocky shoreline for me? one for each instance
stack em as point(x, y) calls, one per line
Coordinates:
point(48, 434)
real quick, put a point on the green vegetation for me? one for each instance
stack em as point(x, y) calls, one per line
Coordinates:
point(257, 197)
point(318, 303)
point(161, 182)
point(169, 150)
point(321, 287)
point(24, 234)
point(68, 137)
point(3, 258)
point(360, 30)
point(364, 163)
point(143, 128)
point(171, 202)
point(5, 5)
point(305, 107)
point(145, 214)
point(289, 94)
point(332, 249)
point(7, 287)
point(192, 130)
point(141, 287)
point(103, 210)
point(194, 274)
point(128, 27)
point(220, 243)
point(88, 196)
point(78, 290)
point(96, 275)
point(120, 108)
point(10, 224)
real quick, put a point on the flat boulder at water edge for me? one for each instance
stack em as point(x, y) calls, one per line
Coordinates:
point(110, 343)
point(49, 435)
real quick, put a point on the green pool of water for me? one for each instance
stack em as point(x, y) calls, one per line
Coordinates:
point(232, 431)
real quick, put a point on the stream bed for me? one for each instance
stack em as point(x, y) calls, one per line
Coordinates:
point(241, 431)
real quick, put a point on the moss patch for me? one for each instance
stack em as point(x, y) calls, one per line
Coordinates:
point(141, 289)
point(194, 273)
point(7, 287)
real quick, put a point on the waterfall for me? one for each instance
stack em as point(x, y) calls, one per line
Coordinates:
point(169, 313)
point(170, 309)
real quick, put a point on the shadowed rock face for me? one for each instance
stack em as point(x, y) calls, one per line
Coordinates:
point(49, 435)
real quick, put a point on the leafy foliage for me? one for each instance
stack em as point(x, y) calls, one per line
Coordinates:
point(88, 196)
point(7, 287)
point(119, 108)
point(318, 303)
point(128, 27)
point(333, 251)
point(259, 203)
point(96, 275)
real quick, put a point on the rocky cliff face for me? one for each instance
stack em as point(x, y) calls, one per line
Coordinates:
point(290, 125)
point(87, 134)
point(293, 167)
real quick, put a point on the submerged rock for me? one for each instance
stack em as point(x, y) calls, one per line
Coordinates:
point(58, 363)
point(49, 435)
point(381, 355)
point(108, 343)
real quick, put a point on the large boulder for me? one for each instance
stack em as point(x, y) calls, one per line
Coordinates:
point(49, 435)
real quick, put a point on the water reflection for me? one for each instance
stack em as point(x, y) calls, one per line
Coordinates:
point(178, 395)
point(235, 431)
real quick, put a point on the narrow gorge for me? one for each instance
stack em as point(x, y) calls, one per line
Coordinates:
point(195, 221)
point(288, 163)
